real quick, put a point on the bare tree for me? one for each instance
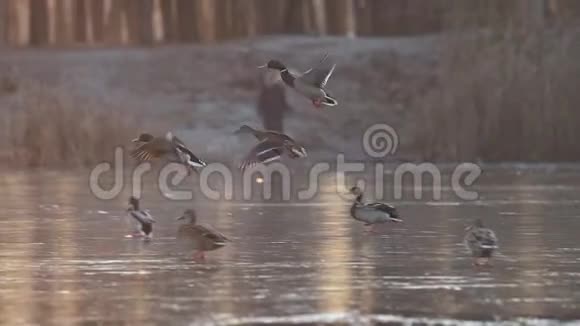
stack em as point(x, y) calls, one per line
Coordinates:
point(38, 23)
point(206, 20)
point(319, 12)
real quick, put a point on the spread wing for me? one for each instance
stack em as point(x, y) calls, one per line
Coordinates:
point(156, 148)
point(319, 63)
point(318, 76)
point(266, 151)
point(189, 156)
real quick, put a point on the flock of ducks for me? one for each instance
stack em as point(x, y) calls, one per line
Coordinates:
point(480, 241)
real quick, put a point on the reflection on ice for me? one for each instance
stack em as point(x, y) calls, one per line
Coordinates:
point(289, 263)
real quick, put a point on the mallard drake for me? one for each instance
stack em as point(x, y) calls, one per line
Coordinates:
point(311, 83)
point(270, 148)
point(481, 242)
point(171, 146)
point(199, 237)
point(372, 213)
point(144, 226)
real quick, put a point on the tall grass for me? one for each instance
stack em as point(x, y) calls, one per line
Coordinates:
point(508, 93)
point(49, 127)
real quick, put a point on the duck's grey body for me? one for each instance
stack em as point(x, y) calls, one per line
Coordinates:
point(142, 220)
point(481, 242)
point(372, 213)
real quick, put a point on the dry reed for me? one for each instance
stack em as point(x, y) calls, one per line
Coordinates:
point(504, 94)
point(48, 127)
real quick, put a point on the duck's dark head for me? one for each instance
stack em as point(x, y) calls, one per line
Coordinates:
point(245, 129)
point(189, 216)
point(355, 191)
point(133, 203)
point(478, 223)
point(143, 138)
point(275, 64)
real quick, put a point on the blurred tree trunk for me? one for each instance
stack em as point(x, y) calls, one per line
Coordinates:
point(133, 22)
point(113, 21)
point(51, 17)
point(64, 22)
point(272, 16)
point(139, 21)
point(228, 21)
point(319, 13)
point(294, 16)
point(4, 22)
point(206, 22)
point(342, 20)
point(364, 14)
point(169, 17)
point(250, 14)
point(186, 17)
point(157, 21)
point(96, 12)
point(19, 22)
point(81, 21)
point(38, 23)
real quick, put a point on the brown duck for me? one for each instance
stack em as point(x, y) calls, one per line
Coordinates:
point(198, 237)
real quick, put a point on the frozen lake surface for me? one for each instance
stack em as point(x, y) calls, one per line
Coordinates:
point(64, 258)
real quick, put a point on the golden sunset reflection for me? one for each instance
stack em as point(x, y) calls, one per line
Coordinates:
point(335, 248)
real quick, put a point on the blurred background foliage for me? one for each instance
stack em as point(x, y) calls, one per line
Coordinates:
point(146, 22)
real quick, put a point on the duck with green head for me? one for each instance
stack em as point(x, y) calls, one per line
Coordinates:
point(310, 84)
point(372, 214)
point(144, 225)
point(201, 238)
point(272, 145)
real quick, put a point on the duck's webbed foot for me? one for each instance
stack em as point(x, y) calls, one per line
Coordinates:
point(371, 229)
point(481, 262)
point(317, 103)
point(135, 234)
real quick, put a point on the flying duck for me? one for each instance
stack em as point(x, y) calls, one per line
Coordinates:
point(154, 147)
point(271, 146)
point(199, 237)
point(481, 242)
point(310, 84)
point(144, 225)
point(372, 213)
